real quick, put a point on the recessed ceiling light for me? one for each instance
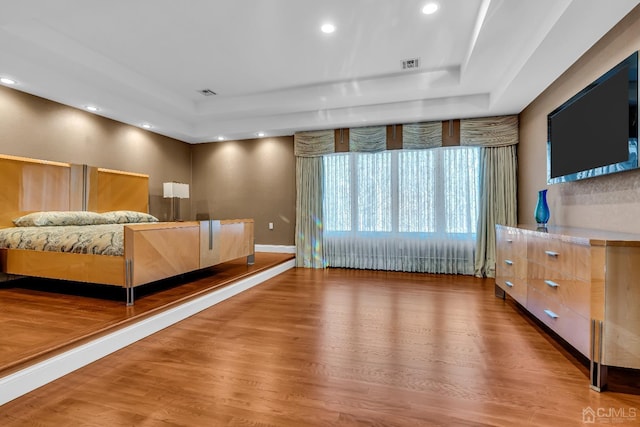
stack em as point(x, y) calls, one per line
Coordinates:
point(146, 125)
point(260, 134)
point(430, 8)
point(328, 28)
point(92, 108)
point(7, 81)
point(221, 138)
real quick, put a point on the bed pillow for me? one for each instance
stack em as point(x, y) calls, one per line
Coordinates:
point(127, 217)
point(49, 218)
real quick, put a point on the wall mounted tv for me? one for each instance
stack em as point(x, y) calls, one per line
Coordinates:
point(596, 131)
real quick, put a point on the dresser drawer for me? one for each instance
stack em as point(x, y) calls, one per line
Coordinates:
point(511, 267)
point(511, 278)
point(511, 263)
point(515, 287)
point(539, 244)
point(567, 291)
point(584, 265)
point(552, 254)
point(510, 243)
point(565, 322)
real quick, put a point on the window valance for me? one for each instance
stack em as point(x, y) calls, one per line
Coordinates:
point(497, 131)
point(368, 139)
point(422, 135)
point(314, 143)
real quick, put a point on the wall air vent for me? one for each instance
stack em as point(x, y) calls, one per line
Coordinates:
point(207, 92)
point(410, 64)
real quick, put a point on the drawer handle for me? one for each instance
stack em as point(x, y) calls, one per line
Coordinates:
point(551, 314)
point(509, 241)
point(551, 283)
point(551, 253)
point(509, 284)
point(508, 262)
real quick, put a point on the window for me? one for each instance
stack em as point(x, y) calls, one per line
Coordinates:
point(402, 210)
point(422, 191)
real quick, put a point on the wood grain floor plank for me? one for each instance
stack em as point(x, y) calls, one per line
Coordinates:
point(337, 347)
point(41, 317)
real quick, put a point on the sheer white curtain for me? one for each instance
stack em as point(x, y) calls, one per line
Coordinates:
point(402, 210)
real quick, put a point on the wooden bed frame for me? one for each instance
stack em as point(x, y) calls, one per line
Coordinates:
point(152, 251)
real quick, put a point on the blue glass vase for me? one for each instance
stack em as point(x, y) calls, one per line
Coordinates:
point(542, 209)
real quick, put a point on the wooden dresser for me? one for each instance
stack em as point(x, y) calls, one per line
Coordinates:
point(583, 284)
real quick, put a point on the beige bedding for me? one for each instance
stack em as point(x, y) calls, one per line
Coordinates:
point(103, 239)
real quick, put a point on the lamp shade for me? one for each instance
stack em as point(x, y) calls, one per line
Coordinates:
point(175, 189)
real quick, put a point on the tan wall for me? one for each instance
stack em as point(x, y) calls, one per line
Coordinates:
point(241, 179)
point(610, 202)
point(252, 179)
point(34, 127)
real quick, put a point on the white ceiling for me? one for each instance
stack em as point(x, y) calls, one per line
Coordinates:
point(144, 61)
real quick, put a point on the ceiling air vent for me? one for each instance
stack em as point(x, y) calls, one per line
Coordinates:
point(207, 92)
point(410, 64)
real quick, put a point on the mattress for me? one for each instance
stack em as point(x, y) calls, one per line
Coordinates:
point(103, 239)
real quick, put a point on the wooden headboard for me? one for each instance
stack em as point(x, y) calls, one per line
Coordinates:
point(112, 190)
point(30, 185)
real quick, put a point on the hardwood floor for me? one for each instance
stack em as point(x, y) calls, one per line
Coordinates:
point(42, 317)
point(337, 347)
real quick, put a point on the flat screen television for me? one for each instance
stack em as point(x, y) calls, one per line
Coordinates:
point(596, 131)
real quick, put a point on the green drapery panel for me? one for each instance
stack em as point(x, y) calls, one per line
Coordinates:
point(498, 203)
point(309, 250)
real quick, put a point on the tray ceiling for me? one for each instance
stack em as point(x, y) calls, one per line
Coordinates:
point(273, 71)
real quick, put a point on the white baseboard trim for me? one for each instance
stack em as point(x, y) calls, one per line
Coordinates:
point(281, 249)
point(39, 374)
